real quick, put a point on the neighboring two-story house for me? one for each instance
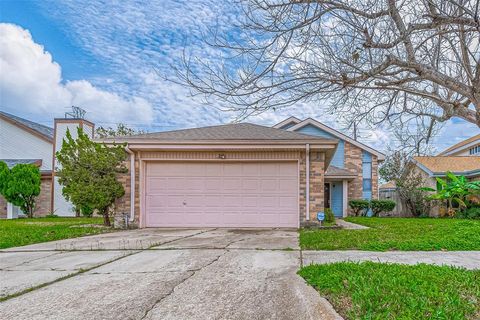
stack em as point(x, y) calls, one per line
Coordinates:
point(25, 141)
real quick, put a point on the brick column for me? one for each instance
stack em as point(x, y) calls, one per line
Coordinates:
point(317, 170)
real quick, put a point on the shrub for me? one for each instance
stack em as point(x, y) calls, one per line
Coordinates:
point(358, 205)
point(379, 206)
point(329, 216)
point(470, 213)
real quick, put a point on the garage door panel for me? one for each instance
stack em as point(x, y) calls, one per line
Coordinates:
point(287, 170)
point(232, 184)
point(222, 194)
point(269, 185)
point(251, 185)
point(233, 170)
point(213, 184)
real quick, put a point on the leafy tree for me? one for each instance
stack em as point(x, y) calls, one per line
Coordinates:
point(121, 130)
point(399, 169)
point(456, 191)
point(20, 186)
point(89, 172)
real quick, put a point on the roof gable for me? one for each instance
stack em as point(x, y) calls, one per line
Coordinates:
point(335, 134)
point(44, 132)
point(287, 123)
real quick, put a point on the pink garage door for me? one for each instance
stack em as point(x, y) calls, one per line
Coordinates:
point(203, 194)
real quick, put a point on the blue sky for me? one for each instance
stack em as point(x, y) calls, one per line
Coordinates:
point(111, 57)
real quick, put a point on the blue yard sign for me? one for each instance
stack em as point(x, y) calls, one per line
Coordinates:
point(321, 216)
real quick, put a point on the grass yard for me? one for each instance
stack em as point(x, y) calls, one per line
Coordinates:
point(20, 232)
point(407, 234)
point(371, 290)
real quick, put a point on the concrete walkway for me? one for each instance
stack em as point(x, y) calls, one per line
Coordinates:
point(161, 274)
point(349, 225)
point(465, 259)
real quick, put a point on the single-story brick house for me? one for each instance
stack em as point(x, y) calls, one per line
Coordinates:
point(245, 175)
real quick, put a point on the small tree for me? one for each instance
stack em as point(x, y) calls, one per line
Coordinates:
point(20, 186)
point(399, 169)
point(89, 172)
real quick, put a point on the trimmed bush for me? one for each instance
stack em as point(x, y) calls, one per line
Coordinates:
point(379, 206)
point(358, 205)
point(329, 216)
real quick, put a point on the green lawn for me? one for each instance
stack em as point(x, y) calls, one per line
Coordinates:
point(20, 232)
point(393, 291)
point(423, 234)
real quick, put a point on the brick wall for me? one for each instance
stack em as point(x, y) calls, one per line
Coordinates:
point(317, 164)
point(353, 163)
point(43, 204)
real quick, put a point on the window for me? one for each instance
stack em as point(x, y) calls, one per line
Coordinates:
point(367, 175)
point(367, 184)
point(474, 150)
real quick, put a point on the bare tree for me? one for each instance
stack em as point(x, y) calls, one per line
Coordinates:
point(373, 60)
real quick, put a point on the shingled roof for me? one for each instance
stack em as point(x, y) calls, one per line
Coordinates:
point(43, 131)
point(236, 131)
point(459, 165)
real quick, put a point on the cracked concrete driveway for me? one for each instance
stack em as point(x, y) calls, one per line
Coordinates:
point(160, 274)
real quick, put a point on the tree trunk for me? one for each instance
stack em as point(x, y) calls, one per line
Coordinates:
point(106, 218)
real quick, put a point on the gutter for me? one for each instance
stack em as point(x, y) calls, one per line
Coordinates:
point(307, 181)
point(132, 183)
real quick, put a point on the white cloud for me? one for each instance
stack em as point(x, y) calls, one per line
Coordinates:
point(31, 83)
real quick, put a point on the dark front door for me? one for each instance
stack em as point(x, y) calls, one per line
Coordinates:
point(327, 195)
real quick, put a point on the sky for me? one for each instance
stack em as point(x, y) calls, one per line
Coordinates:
point(112, 58)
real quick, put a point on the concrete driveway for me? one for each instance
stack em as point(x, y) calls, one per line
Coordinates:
point(160, 274)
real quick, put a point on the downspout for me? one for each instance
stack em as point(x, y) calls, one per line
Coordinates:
point(307, 181)
point(132, 183)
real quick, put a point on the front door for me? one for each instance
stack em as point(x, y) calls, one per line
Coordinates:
point(327, 195)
